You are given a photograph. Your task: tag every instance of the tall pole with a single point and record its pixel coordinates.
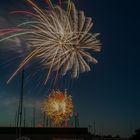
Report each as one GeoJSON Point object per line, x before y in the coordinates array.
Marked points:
{"type": "Point", "coordinates": [76, 119]}
{"type": "Point", "coordinates": [20, 106]}
{"type": "Point", "coordinates": [21, 99]}
{"type": "Point", "coordinates": [16, 119]}
{"type": "Point", "coordinates": [24, 117]}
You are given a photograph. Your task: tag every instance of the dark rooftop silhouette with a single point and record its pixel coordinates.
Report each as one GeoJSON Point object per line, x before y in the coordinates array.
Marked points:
{"type": "Point", "coordinates": [11, 133]}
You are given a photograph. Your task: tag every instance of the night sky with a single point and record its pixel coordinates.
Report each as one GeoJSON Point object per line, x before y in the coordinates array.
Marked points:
{"type": "Point", "coordinates": [109, 94]}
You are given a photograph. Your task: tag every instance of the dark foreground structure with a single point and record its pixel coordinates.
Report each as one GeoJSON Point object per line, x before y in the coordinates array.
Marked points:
{"type": "Point", "coordinates": [9, 133]}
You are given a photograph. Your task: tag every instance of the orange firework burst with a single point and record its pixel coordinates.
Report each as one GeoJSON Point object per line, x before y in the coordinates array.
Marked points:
{"type": "Point", "coordinates": [58, 106]}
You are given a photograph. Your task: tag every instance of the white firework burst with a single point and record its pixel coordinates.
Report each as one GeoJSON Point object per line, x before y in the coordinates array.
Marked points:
{"type": "Point", "coordinates": [62, 39]}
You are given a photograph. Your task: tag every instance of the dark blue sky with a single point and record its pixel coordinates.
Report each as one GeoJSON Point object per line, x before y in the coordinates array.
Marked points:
{"type": "Point", "coordinates": [110, 93]}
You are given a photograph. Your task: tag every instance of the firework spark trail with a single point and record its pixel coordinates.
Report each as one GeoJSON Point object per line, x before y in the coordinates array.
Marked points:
{"type": "Point", "coordinates": [28, 22]}
{"type": "Point", "coordinates": [14, 35]}
{"type": "Point", "coordinates": [69, 6]}
{"type": "Point", "coordinates": [51, 66]}
{"type": "Point", "coordinates": [2, 33]}
{"type": "Point", "coordinates": [60, 38]}
{"type": "Point", "coordinates": [25, 61]}
{"type": "Point", "coordinates": [24, 12]}
{"type": "Point", "coordinates": [50, 3]}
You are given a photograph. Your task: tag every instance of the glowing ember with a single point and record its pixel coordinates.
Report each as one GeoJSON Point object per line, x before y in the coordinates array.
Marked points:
{"type": "Point", "coordinates": [58, 106]}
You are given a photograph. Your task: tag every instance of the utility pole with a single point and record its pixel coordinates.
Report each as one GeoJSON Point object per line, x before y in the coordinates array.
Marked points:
{"type": "Point", "coordinates": [16, 119]}
{"type": "Point", "coordinates": [24, 121]}
{"type": "Point", "coordinates": [76, 119]}
{"type": "Point", "coordinates": [20, 106]}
